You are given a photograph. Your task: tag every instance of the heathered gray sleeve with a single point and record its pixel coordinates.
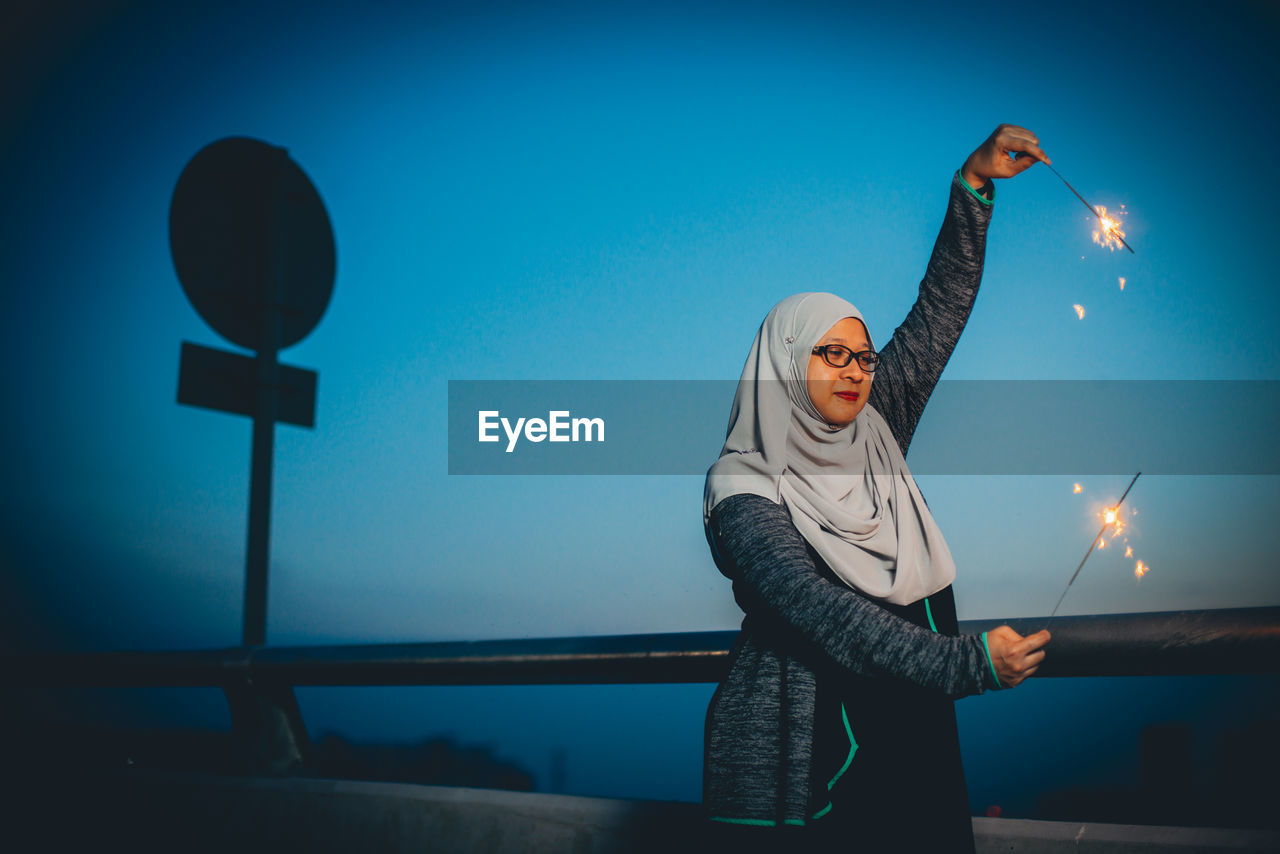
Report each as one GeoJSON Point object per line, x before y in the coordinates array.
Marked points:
{"type": "Point", "coordinates": [775, 576]}
{"type": "Point", "coordinates": [912, 361]}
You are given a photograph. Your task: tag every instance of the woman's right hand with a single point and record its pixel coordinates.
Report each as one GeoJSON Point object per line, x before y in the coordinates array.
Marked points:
{"type": "Point", "coordinates": [1013, 656]}
{"type": "Point", "coordinates": [1007, 152]}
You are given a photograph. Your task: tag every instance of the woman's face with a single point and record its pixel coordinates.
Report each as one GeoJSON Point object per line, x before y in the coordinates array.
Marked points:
{"type": "Point", "coordinates": [840, 393]}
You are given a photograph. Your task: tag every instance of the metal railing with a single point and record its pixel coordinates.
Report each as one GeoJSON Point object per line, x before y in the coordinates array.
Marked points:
{"type": "Point", "coordinates": [259, 681]}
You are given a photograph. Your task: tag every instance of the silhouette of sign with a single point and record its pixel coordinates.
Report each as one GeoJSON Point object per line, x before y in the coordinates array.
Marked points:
{"type": "Point", "coordinates": [253, 249]}
{"type": "Point", "coordinates": [216, 379]}
{"type": "Point", "coordinates": [245, 221]}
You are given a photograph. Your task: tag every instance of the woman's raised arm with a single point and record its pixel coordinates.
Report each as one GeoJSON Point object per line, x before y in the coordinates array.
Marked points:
{"type": "Point", "coordinates": [913, 359]}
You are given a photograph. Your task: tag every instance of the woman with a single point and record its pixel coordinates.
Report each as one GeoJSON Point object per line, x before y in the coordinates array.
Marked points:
{"type": "Point", "coordinates": [835, 721]}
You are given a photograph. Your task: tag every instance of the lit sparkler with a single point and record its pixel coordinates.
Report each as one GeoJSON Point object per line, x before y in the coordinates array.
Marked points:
{"type": "Point", "coordinates": [1109, 233]}
{"type": "Point", "coordinates": [1112, 231]}
{"type": "Point", "coordinates": [1109, 518]}
{"type": "Point", "coordinates": [1113, 516]}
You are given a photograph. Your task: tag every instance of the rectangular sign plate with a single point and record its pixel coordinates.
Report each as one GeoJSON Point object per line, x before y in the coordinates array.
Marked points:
{"type": "Point", "coordinates": [227, 382]}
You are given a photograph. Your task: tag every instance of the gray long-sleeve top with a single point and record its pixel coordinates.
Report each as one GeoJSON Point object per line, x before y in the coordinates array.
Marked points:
{"type": "Point", "coordinates": [759, 735]}
{"type": "Point", "coordinates": [777, 581]}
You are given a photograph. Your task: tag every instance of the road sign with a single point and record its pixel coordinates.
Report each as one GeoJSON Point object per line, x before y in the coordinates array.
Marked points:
{"type": "Point", "coordinates": [253, 249]}
{"type": "Point", "coordinates": [245, 219]}
{"type": "Point", "coordinates": [216, 379]}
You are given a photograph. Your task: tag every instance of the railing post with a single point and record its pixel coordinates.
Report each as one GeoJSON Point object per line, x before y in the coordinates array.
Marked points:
{"type": "Point", "coordinates": [267, 723]}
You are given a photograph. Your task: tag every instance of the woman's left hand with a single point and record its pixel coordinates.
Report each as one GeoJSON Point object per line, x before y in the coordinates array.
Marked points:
{"type": "Point", "coordinates": [1008, 151]}
{"type": "Point", "coordinates": [1014, 657]}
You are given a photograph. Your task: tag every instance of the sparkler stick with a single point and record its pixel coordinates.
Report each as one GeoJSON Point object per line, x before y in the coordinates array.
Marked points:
{"type": "Point", "coordinates": [1105, 525]}
{"type": "Point", "coordinates": [1092, 209]}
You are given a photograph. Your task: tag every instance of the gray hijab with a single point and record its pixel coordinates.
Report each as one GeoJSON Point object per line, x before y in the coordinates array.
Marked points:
{"type": "Point", "coordinates": [847, 489]}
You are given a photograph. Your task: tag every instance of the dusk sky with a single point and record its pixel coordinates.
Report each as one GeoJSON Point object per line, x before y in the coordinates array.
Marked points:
{"type": "Point", "coordinates": [610, 192]}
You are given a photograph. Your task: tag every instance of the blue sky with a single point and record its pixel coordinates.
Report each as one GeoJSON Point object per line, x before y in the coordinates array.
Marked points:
{"type": "Point", "coordinates": [566, 191]}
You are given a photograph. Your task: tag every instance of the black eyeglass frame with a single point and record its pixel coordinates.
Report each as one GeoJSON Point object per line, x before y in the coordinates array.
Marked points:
{"type": "Point", "coordinates": [867, 359]}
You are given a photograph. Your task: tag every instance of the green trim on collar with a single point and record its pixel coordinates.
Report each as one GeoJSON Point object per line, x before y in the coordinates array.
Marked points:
{"type": "Point", "coordinates": [975, 193]}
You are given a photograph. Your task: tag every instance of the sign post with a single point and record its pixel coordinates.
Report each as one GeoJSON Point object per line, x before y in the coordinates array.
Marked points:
{"type": "Point", "coordinates": [254, 251]}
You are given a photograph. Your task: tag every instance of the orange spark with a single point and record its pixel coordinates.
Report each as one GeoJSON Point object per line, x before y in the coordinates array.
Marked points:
{"type": "Point", "coordinates": [1077, 488]}
{"type": "Point", "coordinates": [1122, 283]}
{"type": "Point", "coordinates": [1108, 233]}
{"type": "Point", "coordinates": [1079, 310]}
{"type": "Point", "coordinates": [1140, 570]}
{"type": "Point", "coordinates": [1128, 551]}
{"type": "Point", "coordinates": [1102, 544]}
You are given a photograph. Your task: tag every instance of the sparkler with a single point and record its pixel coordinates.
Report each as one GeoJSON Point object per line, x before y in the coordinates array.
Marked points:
{"type": "Point", "coordinates": [1109, 518]}
{"type": "Point", "coordinates": [1109, 225]}
{"type": "Point", "coordinates": [1109, 234]}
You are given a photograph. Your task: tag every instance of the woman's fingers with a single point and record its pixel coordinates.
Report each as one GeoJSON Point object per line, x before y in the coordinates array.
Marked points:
{"type": "Point", "coordinates": [1037, 153]}
{"type": "Point", "coordinates": [1016, 657]}
{"type": "Point", "coordinates": [1014, 137]}
{"type": "Point", "coordinates": [1031, 642]}
{"type": "Point", "coordinates": [1009, 151]}
{"type": "Point", "coordinates": [1015, 129]}
{"type": "Point", "coordinates": [1024, 155]}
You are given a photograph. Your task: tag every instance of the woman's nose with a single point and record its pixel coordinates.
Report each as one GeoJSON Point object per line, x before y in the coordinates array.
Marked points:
{"type": "Point", "coordinates": [853, 372]}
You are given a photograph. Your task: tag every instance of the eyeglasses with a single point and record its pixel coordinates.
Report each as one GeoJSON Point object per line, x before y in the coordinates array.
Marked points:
{"type": "Point", "coordinates": [839, 356]}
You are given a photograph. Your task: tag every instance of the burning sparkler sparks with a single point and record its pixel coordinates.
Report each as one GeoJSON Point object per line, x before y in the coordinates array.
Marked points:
{"type": "Point", "coordinates": [1140, 570]}
{"type": "Point", "coordinates": [1079, 310]}
{"type": "Point", "coordinates": [1122, 283]}
{"type": "Point", "coordinates": [1112, 231]}
{"type": "Point", "coordinates": [1112, 518]}
{"type": "Point", "coordinates": [1077, 488]}
{"type": "Point", "coordinates": [1109, 516]}
{"type": "Point", "coordinates": [1108, 233]}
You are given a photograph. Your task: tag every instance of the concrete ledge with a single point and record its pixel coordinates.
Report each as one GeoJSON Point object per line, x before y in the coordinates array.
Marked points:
{"type": "Point", "coordinates": [152, 811]}
{"type": "Point", "coordinates": [1050, 837]}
